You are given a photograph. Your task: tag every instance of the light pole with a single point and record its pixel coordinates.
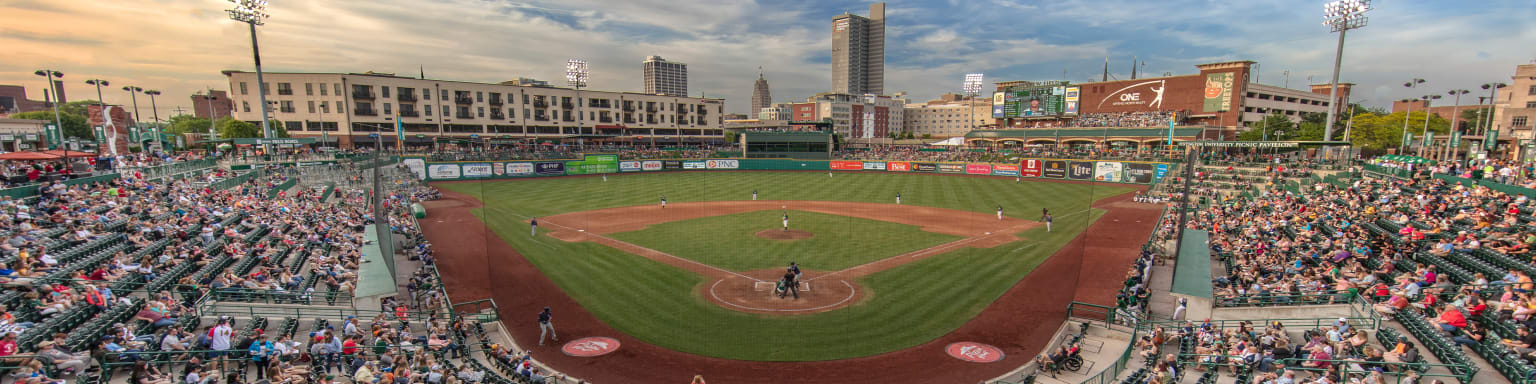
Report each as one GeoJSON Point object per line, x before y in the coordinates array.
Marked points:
{"type": "Point", "coordinates": [1341, 16]}
{"type": "Point", "coordinates": [972, 87]}
{"type": "Point", "coordinates": [212, 116]}
{"type": "Point", "coordinates": [1425, 134]}
{"type": "Point", "coordinates": [154, 110]}
{"type": "Point", "coordinates": [1455, 115]}
{"type": "Point", "coordinates": [1408, 113]}
{"type": "Point", "coordinates": [254, 13]}
{"type": "Point", "coordinates": [101, 103]}
{"type": "Point", "coordinates": [1493, 91]}
{"type": "Point", "coordinates": [576, 75]}
{"type": "Point", "coordinates": [58, 123]}
{"type": "Point", "coordinates": [133, 92]}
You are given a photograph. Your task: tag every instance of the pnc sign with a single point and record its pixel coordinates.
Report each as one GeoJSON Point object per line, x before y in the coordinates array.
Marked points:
{"type": "Point", "coordinates": [590, 346]}
{"type": "Point", "coordinates": [974, 352]}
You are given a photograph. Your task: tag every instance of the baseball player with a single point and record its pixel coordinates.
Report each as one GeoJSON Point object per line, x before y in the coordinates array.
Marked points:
{"type": "Point", "coordinates": [789, 285]}
{"type": "Point", "coordinates": [663, 201]}
{"type": "Point", "coordinates": [535, 225]}
{"type": "Point", "coordinates": [546, 327]}
{"type": "Point", "coordinates": [754, 195]}
{"type": "Point", "coordinates": [605, 178]}
{"type": "Point", "coordinates": [999, 212]}
{"type": "Point", "coordinates": [1047, 220]}
{"type": "Point", "coordinates": [795, 269]}
{"type": "Point", "coordinates": [786, 222]}
{"type": "Point", "coordinates": [829, 173]}
{"type": "Point", "coordinates": [898, 198]}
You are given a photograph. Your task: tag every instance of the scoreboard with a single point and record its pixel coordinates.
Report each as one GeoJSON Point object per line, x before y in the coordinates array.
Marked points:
{"type": "Point", "coordinates": [1044, 101]}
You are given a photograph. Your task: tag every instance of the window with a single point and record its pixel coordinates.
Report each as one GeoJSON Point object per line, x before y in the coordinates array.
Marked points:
{"type": "Point", "coordinates": [427, 109]}
{"type": "Point", "coordinates": [426, 94]}
{"type": "Point", "coordinates": [446, 111]}
{"type": "Point", "coordinates": [324, 107]}
{"type": "Point", "coordinates": [511, 113]}
{"type": "Point", "coordinates": [480, 111]}
{"type": "Point", "coordinates": [293, 125]}
{"type": "Point", "coordinates": [266, 89]}
{"type": "Point", "coordinates": [479, 97]}
{"type": "Point", "coordinates": [1519, 121]}
{"type": "Point", "coordinates": [1532, 92]}
{"type": "Point", "coordinates": [338, 89]}
{"type": "Point", "coordinates": [311, 106]}
{"type": "Point", "coordinates": [388, 110]}
{"type": "Point", "coordinates": [243, 90]}
{"type": "Point", "coordinates": [246, 105]}
{"type": "Point", "coordinates": [309, 90]}
{"type": "Point", "coordinates": [385, 92]}
{"type": "Point", "coordinates": [322, 89]}
{"type": "Point", "coordinates": [445, 96]}
{"type": "Point", "coordinates": [1530, 104]}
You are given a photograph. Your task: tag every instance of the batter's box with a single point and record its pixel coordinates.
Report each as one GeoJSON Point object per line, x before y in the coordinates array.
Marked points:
{"type": "Point", "coordinates": [770, 285]}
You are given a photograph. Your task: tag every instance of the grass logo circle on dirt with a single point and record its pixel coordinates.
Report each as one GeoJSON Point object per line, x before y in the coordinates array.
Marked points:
{"type": "Point", "coordinates": [974, 352]}
{"type": "Point", "coordinates": [590, 346]}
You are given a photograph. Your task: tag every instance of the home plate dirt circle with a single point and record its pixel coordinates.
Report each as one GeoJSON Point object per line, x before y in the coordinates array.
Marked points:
{"type": "Point", "coordinates": [590, 346]}
{"type": "Point", "coordinates": [780, 234]}
{"type": "Point", "coordinates": [974, 352]}
{"type": "Point", "coordinates": [755, 292]}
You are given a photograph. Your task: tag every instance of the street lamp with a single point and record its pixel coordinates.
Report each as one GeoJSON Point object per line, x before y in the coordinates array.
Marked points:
{"type": "Point", "coordinates": [1493, 90]}
{"type": "Point", "coordinates": [576, 76]}
{"type": "Point", "coordinates": [254, 13]}
{"type": "Point", "coordinates": [1341, 16]}
{"type": "Point", "coordinates": [972, 87]}
{"type": "Point", "coordinates": [1425, 134]}
{"type": "Point", "coordinates": [1406, 114]}
{"type": "Point", "coordinates": [134, 93]}
{"type": "Point", "coordinates": [57, 122]}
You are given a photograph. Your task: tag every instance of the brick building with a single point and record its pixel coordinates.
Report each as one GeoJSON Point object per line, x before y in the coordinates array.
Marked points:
{"type": "Point", "coordinates": [221, 106]}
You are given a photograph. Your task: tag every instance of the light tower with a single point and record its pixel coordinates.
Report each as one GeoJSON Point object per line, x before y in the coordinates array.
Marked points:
{"type": "Point", "coordinates": [1341, 16]}
{"type": "Point", "coordinates": [254, 13]}
{"type": "Point", "coordinates": [576, 76]}
{"type": "Point", "coordinates": [972, 87]}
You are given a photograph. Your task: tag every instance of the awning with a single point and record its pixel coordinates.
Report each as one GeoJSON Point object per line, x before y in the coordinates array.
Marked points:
{"type": "Point", "coordinates": [28, 156]}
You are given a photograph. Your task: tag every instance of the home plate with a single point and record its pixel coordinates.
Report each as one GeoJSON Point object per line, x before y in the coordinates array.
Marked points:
{"type": "Point", "coordinates": [581, 230]}
{"type": "Point", "coordinates": [989, 233]}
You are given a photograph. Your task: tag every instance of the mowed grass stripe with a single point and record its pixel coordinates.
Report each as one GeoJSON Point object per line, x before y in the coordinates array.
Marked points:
{"type": "Point", "coordinates": [730, 241]}
{"type": "Point", "coordinates": [908, 305]}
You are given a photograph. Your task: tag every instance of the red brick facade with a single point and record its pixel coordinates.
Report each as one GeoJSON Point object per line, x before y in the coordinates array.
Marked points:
{"type": "Point", "coordinates": [121, 119]}
{"type": "Point", "coordinates": [222, 106]}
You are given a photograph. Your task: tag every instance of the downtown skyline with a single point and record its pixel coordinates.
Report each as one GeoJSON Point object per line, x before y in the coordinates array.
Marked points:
{"type": "Point", "coordinates": [930, 45]}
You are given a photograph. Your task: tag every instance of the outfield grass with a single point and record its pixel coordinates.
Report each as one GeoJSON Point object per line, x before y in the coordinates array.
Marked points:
{"type": "Point", "coordinates": [730, 241]}
{"type": "Point", "coordinates": [906, 305]}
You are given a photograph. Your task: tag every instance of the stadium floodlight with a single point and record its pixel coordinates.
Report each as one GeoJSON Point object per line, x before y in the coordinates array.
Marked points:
{"type": "Point", "coordinates": [972, 87]}
{"type": "Point", "coordinates": [1427, 99]}
{"type": "Point", "coordinates": [254, 13]}
{"type": "Point", "coordinates": [1493, 91]}
{"type": "Point", "coordinates": [1413, 84]}
{"type": "Point", "coordinates": [133, 92]}
{"type": "Point", "coordinates": [576, 73]}
{"type": "Point", "coordinates": [1341, 16]}
{"type": "Point", "coordinates": [51, 74]}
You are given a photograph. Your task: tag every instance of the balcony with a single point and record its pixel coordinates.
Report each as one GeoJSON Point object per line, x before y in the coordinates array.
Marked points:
{"type": "Point", "coordinates": [540, 104]}
{"type": "Point", "coordinates": [463, 100]}
{"type": "Point", "coordinates": [540, 118]}
{"type": "Point", "coordinates": [498, 116]}
{"type": "Point", "coordinates": [462, 115]}
{"type": "Point", "coordinates": [362, 94]}
{"type": "Point", "coordinates": [365, 112]}
{"type": "Point", "coordinates": [285, 91]}
{"type": "Point", "coordinates": [407, 97]}
{"type": "Point", "coordinates": [629, 121]}
{"type": "Point", "coordinates": [568, 118]}
{"type": "Point", "coordinates": [650, 121]}
{"type": "Point", "coordinates": [567, 106]}
{"type": "Point", "coordinates": [629, 108]}
{"type": "Point", "coordinates": [495, 101]}
{"type": "Point", "coordinates": [650, 109]}
{"type": "Point", "coordinates": [605, 119]}
{"type": "Point", "coordinates": [409, 113]}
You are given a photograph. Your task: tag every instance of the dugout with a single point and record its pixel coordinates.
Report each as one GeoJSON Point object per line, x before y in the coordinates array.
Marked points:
{"type": "Point", "coordinates": [787, 145]}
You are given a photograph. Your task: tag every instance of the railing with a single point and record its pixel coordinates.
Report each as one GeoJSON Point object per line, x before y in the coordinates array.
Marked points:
{"type": "Point", "coordinates": [235, 181]}
{"type": "Point", "coordinates": [1089, 313]}
{"type": "Point", "coordinates": [272, 193]}
{"type": "Point", "coordinates": [1397, 370]}
{"type": "Point", "coordinates": [210, 308]}
{"type": "Point", "coordinates": [1393, 172]}
{"type": "Point", "coordinates": [32, 190]}
{"type": "Point", "coordinates": [177, 170]}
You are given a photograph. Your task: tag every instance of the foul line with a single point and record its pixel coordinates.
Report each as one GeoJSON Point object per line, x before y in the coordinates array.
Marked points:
{"type": "Point", "coordinates": [685, 261]}
{"type": "Point", "coordinates": [906, 255]}
{"type": "Point", "coordinates": [851, 293]}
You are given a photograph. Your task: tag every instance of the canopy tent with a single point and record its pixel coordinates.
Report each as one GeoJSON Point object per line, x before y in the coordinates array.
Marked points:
{"type": "Point", "coordinates": [29, 156]}
{"type": "Point", "coordinates": [950, 141]}
{"type": "Point", "coordinates": [69, 153]}
{"type": "Point", "coordinates": [1404, 159]}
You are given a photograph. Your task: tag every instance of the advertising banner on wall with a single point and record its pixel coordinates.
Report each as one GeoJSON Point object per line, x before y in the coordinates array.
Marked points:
{"type": "Point", "coordinates": [1054, 169]}
{"type": "Point", "coordinates": [671, 164]}
{"type": "Point", "coordinates": [476, 170]}
{"type": "Point", "coordinates": [549, 168]}
{"type": "Point", "coordinates": [978, 169]}
{"type": "Point", "coordinates": [593, 164]}
{"type": "Point", "coordinates": [443, 171]}
{"type": "Point", "coordinates": [417, 167]}
{"type": "Point", "coordinates": [1005, 170]}
{"type": "Point", "coordinates": [650, 165]}
{"type": "Point", "coordinates": [520, 169]}
{"type": "Point", "coordinates": [874, 166]}
{"type": "Point", "coordinates": [951, 168]}
{"type": "Point", "coordinates": [1080, 170]}
{"type": "Point", "coordinates": [1140, 173]}
{"type": "Point", "coordinates": [694, 165]}
{"type": "Point", "coordinates": [1030, 167]}
{"type": "Point", "coordinates": [847, 165]}
{"type": "Point", "coordinates": [898, 166]}
{"type": "Point", "coordinates": [1071, 101]}
{"type": "Point", "coordinates": [925, 167]}
{"type": "Point", "coordinates": [1162, 171]}
{"type": "Point", "coordinates": [1218, 91]}
{"type": "Point", "coordinates": [722, 164]}
{"type": "Point", "coordinates": [998, 100]}
{"type": "Point", "coordinates": [1109, 171]}
{"type": "Point", "coordinates": [629, 166]}
{"type": "Point", "coordinates": [499, 169]}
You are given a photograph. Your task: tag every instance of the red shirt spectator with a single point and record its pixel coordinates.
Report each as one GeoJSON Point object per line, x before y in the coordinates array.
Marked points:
{"type": "Point", "coordinates": [1454, 318]}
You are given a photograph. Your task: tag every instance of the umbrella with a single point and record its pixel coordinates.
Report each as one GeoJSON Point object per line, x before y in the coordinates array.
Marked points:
{"type": "Point", "coordinates": [28, 156]}
{"type": "Point", "coordinates": [69, 153]}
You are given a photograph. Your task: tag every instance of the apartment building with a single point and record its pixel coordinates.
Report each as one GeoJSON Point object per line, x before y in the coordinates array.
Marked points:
{"type": "Point", "coordinates": [349, 107]}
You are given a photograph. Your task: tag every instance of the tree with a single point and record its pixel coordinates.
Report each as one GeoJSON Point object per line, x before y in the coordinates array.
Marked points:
{"type": "Point", "coordinates": [74, 126]}
{"type": "Point", "coordinates": [77, 107]}
{"type": "Point", "coordinates": [184, 124]}
{"type": "Point", "coordinates": [229, 128]}
{"type": "Point", "coordinates": [1375, 131]}
{"type": "Point", "coordinates": [1470, 119]}
{"type": "Point", "coordinates": [1272, 126]}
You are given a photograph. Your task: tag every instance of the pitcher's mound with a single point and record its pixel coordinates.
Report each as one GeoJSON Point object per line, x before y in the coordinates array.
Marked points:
{"type": "Point", "coordinates": [780, 234]}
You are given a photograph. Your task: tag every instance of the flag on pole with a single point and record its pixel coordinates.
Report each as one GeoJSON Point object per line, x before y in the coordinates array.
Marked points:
{"type": "Point", "coordinates": [399, 133]}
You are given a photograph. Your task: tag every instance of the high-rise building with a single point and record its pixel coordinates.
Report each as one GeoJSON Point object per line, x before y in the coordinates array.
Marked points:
{"type": "Point", "coordinates": [858, 52]}
{"type": "Point", "coordinates": [664, 77]}
{"type": "Point", "coordinates": [760, 96]}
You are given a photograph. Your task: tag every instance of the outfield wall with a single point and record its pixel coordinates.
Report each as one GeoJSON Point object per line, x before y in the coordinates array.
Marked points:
{"type": "Point", "coordinates": [1130, 172]}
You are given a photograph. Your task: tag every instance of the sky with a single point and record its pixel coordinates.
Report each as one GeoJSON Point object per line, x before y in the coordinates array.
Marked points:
{"type": "Point", "coordinates": [180, 46]}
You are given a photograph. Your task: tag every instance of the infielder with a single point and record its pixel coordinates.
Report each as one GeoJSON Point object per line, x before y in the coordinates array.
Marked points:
{"type": "Point", "coordinates": [663, 201]}
{"type": "Point", "coordinates": [898, 198]}
{"type": "Point", "coordinates": [754, 195]}
{"type": "Point", "coordinates": [535, 227]}
{"type": "Point", "coordinates": [786, 222]}
{"type": "Point", "coordinates": [1047, 220]}
{"type": "Point", "coordinates": [999, 212]}
{"type": "Point", "coordinates": [605, 178]}
{"type": "Point", "coordinates": [546, 327]}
